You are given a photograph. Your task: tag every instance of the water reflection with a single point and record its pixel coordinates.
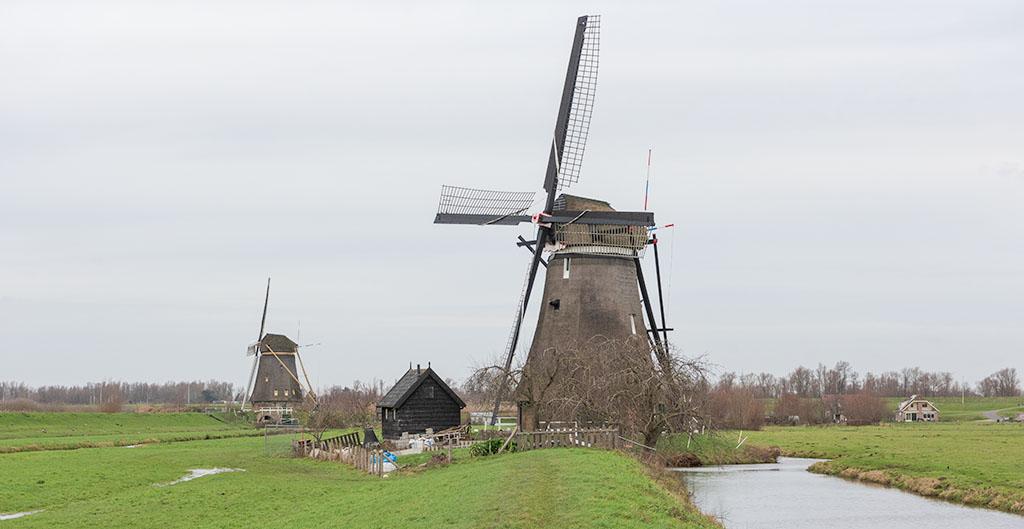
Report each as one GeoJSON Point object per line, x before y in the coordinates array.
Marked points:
{"type": "Point", "coordinates": [786, 496]}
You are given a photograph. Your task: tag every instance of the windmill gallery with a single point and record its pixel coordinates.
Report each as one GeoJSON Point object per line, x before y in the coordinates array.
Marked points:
{"type": "Point", "coordinates": [596, 324]}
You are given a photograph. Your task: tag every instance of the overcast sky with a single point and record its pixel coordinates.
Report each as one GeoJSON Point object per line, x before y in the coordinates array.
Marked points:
{"type": "Point", "coordinates": [846, 179]}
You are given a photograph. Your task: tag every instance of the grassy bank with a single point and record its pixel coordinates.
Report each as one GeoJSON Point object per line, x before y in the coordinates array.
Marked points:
{"type": "Point", "coordinates": [711, 449]}
{"type": "Point", "coordinates": [32, 431]}
{"type": "Point", "coordinates": [114, 487]}
{"type": "Point", "coordinates": [979, 464]}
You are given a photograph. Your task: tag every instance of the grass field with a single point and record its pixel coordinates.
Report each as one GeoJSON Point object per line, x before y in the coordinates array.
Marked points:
{"type": "Point", "coordinates": [970, 462]}
{"type": "Point", "coordinates": [56, 431]}
{"type": "Point", "coordinates": [116, 487]}
{"type": "Point", "coordinates": [951, 409]}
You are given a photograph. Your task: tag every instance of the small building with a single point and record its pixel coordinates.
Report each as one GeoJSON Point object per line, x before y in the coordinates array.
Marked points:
{"type": "Point", "coordinates": [917, 409]}
{"type": "Point", "coordinates": [418, 401]}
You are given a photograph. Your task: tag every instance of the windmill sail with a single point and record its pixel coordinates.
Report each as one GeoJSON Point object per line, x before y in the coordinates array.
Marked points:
{"type": "Point", "coordinates": [484, 207]}
{"type": "Point", "coordinates": [581, 107]}
{"type": "Point", "coordinates": [575, 109]}
{"type": "Point", "coordinates": [464, 205]}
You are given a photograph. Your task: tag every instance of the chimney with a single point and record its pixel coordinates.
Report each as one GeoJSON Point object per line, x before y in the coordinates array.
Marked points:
{"type": "Point", "coordinates": [417, 369]}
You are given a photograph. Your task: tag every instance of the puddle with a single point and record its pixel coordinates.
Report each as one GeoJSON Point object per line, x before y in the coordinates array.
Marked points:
{"type": "Point", "coordinates": [195, 473]}
{"type": "Point", "coordinates": [18, 515]}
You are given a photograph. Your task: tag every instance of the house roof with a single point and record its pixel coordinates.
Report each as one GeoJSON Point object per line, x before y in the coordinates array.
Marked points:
{"type": "Point", "coordinates": [913, 399]}
{"type": "Point", "coordinates": [277, 343]}
{"type": "Point", "coordinates": [409, 383]}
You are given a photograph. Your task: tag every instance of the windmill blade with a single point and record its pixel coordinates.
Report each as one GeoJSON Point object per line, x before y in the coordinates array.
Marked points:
{"type": "Point", "coordinates": [252, 376]}
{"type": "Point", "coordinates": [309, 385]}
{"type": "Point", "coordinates": [263, 321]}
{"type": "Point", "coordinates": [573, 123]}
{"type": "Point", "coordinates": [464, 205]}
{"type": "Point", "coordinates": [517, 325]}
{"type": "Point", "coordinates": [584, 89]}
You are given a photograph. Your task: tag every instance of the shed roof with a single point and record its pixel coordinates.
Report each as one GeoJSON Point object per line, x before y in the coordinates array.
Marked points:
{"type": "Point", "coordinates": [409, 383]}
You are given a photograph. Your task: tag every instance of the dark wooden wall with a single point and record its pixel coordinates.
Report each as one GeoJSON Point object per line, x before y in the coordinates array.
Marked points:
{"type": "Point", "coordinates": [421, 411]}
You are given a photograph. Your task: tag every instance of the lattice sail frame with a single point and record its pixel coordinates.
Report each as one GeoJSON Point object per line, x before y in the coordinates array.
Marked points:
{"type": "Point", "coordinates": [582, 107]}
{"type": "Point", "coordinates": [469, 201]}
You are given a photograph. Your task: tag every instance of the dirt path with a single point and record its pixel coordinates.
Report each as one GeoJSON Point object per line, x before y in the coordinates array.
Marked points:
{"type": "Point", "coordinates": [992, 415]}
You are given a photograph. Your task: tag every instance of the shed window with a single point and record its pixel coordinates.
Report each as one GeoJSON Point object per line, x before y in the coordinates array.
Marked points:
{"type": "Point", "coordinates": [430, 392]}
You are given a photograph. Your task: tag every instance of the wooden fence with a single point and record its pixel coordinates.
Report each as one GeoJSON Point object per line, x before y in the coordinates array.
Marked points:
{"type": "Point", "coordinates": [454, 443]}
{"type": "Point", "coordinates": [305, 446]}
{"type": "Point", "coordinates": [369, 460]}
{"type": "Point", "coordinates": [607, 438]}
{"type": "Point", "coordinates": [345, 448]}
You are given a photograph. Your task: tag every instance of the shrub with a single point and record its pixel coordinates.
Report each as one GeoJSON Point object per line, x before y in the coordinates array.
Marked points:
{"type": "Point", "coordinates": [864, 408]}
{"type": "Point", "coordinates": [492, 446]}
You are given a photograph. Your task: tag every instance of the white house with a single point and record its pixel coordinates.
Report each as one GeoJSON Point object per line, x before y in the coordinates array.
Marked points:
{"type": "Point", "coordinates": [917, 409]}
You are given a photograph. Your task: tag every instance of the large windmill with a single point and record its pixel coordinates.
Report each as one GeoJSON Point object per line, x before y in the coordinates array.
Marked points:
{"type": "Point", "coordinates": [594, 284]}
{"type": "Point", "coordinates": [274, 386]}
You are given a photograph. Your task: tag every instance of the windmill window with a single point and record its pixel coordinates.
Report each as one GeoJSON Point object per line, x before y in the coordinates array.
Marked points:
{"type": "Point", "coordinates": [275, 392]}
{"type": "Point", "coordinates": [266, 379]}
{"type": "Point", "coordinates": [286, 393]}
{"type": "Point", "coordinates": [565, 268]}
{"type": "Point", "coordinates": [632, 323]}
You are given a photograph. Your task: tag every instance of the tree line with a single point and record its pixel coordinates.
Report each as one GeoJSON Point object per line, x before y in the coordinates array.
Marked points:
{"type": "Point", "coordinates": [99, 393]}
{"type": "Point", "coordinates": [841, 379]}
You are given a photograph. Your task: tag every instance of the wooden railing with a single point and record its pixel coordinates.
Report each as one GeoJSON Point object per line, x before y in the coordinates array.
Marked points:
{"type": "Point", "coordinates": [607, 438]}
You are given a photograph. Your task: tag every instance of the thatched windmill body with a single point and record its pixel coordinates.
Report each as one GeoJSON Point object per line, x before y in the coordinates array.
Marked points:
{"type": "Point", "coordinates": [274, 387]}
{"type": "Point", "coordinates": [594, 287]}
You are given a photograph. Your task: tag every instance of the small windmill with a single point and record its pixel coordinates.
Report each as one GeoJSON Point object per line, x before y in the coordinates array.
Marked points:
{"type": "Point", "coordinates": [594, 282]}
{"type": "Point", "coordinates": [274, 386]}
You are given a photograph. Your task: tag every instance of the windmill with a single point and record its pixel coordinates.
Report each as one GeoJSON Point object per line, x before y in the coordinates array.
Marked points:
{"type": "Point", "coordinates": [594, 283]}
{"type": "Point", "coordinates": [274, 386]}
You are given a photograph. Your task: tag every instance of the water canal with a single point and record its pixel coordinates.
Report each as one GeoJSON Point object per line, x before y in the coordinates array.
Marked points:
{"type": "Point", "coordinates": [786, 496]}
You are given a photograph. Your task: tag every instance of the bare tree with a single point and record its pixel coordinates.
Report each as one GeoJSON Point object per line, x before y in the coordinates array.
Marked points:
{"type": "Point", "coordinates": [1002, 383]}
{"type": "Point", "coordinates": [608, 381]}
{"type": "Point", "coordinates": [863, 408]}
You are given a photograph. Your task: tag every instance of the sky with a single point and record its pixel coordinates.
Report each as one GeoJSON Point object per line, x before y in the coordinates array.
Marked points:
{"type": "Point", "coordinates": [845, 179]}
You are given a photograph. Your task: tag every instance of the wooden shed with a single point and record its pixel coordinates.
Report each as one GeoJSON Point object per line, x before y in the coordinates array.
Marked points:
{"type": "Point", "coordinates": [418, 401]}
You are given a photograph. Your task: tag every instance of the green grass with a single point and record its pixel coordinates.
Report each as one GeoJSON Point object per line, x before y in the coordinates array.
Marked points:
{"type": "Point", "coordinates": [951, 409]}
{"type": "Point", "coordinates": [971, 462]}
{"type": "Point", "coordinates": [56, 431]}
{"type": "Point", "coordinates": [113, 487]}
